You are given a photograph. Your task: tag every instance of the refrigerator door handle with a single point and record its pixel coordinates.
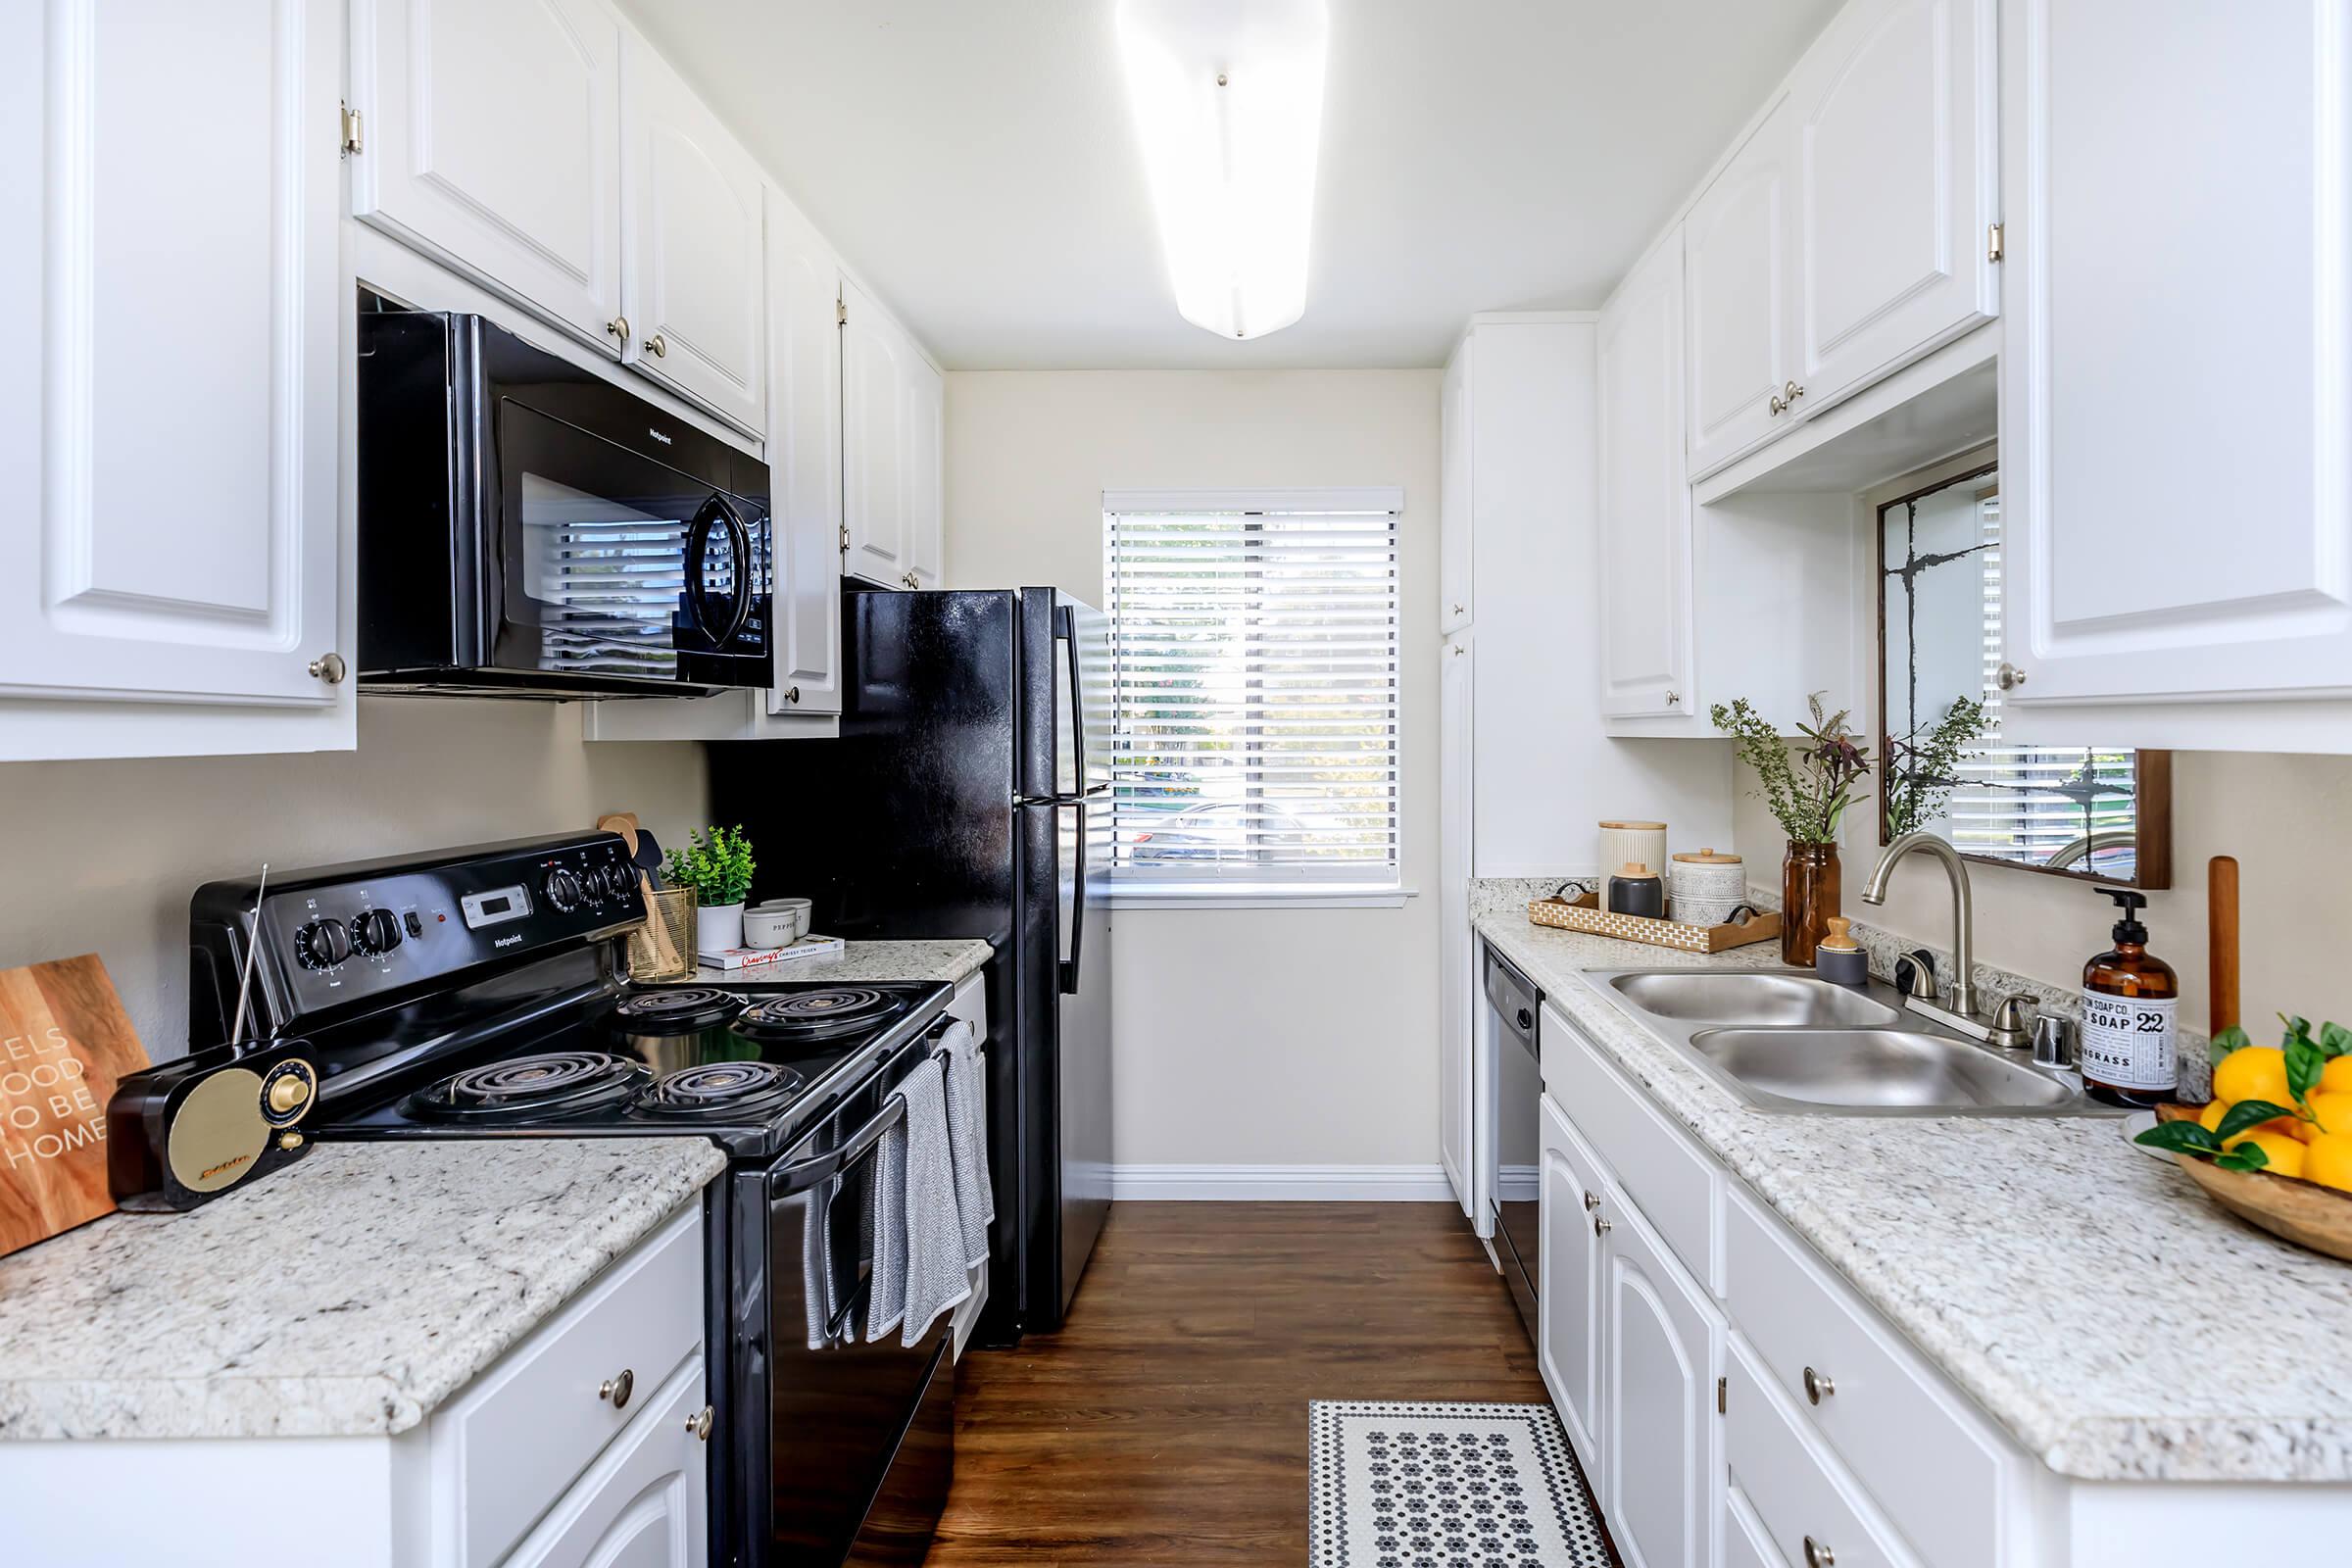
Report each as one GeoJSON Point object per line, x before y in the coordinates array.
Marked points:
{"type": "Point", "coordinates": [1069, 965]}
{"type": "Point", "coordinates": [1065, 628]}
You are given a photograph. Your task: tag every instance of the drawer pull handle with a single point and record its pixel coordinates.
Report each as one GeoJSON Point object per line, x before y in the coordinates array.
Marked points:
{"type": "Point", "coordinates": [1817, 1387]}
{"type": "Point", "coordinates": [699, 1424]}
{"type": "Point", "coordinates": [1601, 1225]}
{"type": "Point", "coordinates": [618, 1390]}
{"type": "Point", "coordinates": [1818, 1554]}
{"type": "Point", "coordinates": [1591, 1201]}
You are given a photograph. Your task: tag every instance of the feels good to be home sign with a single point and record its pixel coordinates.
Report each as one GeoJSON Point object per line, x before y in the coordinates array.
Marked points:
{"type": "Point", "coordinates": [64, 1041]}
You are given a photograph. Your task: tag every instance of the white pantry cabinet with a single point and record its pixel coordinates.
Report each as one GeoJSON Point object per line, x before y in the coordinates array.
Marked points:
{"type": "Point", "coordinates": [1737, 299]}
{"type": "Point", "coordinates": [1456, 584]}
{"type": "Point", "coordinates": [891, 403]}
{"type": "Point", "coordinates": [1460, 999]}
{"type": "Point", "coordinates": [491, 142]}
{"type": "Point", "coordinates": [691, 275]}
{"type": "Point", "coordinates": [2177, 497]}
{"type": "Point", "coordinates": [1645, 586]}
{"type": "Point", "coordinates": [170, 576]}
{"type": "Point", "coordinates": [803, 460]}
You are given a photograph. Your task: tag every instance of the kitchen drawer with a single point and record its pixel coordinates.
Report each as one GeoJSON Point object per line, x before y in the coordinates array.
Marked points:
{"type": "Point", "coordinates": [1925, 1456]}
{"type": "Point", "coordinates": [1678, 1188]}
{"type": "Point", "coordinates": [1747, 1543]}
{"type": "Point", "coordinates": [507, 1448]}
{"type": "Point", "coordinates": [1793, 1485]}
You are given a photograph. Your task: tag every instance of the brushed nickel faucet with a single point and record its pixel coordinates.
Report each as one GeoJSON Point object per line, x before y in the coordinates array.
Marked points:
{"type": "Point", "coordinates": [1961, 1014]}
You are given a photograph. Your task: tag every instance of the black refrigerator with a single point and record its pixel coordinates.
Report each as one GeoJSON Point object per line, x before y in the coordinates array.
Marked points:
{"type": "Point", "coordinates": [969, 795]}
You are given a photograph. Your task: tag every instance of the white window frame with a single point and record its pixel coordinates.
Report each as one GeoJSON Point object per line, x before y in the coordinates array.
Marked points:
{"type": "Point", "coordinates": [1131, 891]}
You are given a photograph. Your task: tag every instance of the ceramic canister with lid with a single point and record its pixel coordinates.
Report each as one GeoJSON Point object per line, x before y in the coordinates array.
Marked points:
{"type": "Point", "coordinates": [1705, 887]}
{"type": "Point", "coordinates": [1630, 843]}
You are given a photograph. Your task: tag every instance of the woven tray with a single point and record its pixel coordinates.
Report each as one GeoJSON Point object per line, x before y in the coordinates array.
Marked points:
{"type": "Point", "coordinates": [1586, 914]}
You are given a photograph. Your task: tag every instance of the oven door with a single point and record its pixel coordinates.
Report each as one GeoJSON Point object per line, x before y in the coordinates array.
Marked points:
{"type": "Point", "coordinates": [858, 1449]}
{"type": "Point", "coordinates": [1517, 1006]}
{"type": "Point", "coordinates": [616, 568]}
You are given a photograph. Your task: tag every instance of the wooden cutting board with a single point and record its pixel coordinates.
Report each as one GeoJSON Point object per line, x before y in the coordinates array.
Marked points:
{"type": "Point", "coordinates": [65, 1042]}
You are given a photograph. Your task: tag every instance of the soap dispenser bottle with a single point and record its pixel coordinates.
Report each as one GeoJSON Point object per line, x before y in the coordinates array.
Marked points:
{"type": "Point", "coordinates": [2129, 1047]}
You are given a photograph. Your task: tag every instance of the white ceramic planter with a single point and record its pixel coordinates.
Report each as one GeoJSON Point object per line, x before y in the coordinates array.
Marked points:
{"type": "Point", "coordinates": [718, 927]}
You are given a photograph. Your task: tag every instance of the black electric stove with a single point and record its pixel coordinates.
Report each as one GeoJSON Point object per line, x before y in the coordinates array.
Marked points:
{"type": "Point", "coordinates": [477, 994]}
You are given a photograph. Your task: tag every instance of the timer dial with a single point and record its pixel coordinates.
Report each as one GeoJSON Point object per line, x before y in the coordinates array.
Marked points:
{"type": "Point", "coordinates": [322, 943]}
{"type": "Point", "coordinates": [563, 890]}
{"type": "Point", "coordinates": [375, 931]}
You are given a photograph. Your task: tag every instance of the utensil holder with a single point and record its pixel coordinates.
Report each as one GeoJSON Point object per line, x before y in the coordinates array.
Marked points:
{"type": "Point", "coordinates": [662, 949]}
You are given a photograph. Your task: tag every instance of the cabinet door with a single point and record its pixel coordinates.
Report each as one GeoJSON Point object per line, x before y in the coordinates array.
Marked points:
{"type": "Point", "coordinates": [2178, 501]}
{"type": "Point", "coordinates": [803, 460]}
{"type": "Point", "coordinates": [169, 192]}
{"type": "Point", "coordinates": [1660, 1440]}
{"type": "Point", "coordinates": [1454, 529]}
{"type": "Point", "coordinates": [645, 1501]}
{"type": "Point", "coordinates": [492, 145]}
{"type": "Point", "coordinates": [1894, 189]}
{"type": "Point", "coordinates": [926, 393]}
{"type": "Point", "coordinates": [691, 275]}
{"type": "Point", "coordinates": [1569, 1347]}
{"type": "Point", "coordinates": [874, 375]}
{"type": "Point", "coordinates": [1736, 245]}
{"type": "Point", "coordinates": [1457, 985]}
{"type": "Point", "coordinates": [1646, 609]}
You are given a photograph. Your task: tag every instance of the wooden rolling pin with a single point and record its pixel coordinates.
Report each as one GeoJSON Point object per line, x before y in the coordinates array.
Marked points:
{"type": "Point", "coordinates": [2221, 935]}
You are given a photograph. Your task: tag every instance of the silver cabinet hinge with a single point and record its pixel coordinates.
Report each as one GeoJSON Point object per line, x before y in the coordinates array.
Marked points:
{"type": "Point", "coordinates": [1722, 1395]}
{"type": "Point", "coordinates": [841, 313]}
{"type": "Point", "coordinates": [845, 538]}
{"type": "Point", "coordinates": [354, 131]}
{"type": "Point", "coordinates": [1992, 243]}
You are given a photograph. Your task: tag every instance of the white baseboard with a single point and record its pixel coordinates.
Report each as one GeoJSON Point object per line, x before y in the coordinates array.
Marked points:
{"type": "Point", "coordinates": [1295, 1184]}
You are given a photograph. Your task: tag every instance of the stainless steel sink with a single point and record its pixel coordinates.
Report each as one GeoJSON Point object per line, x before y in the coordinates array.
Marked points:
{"type": "Point", "coordinates": [1760, 999]}
{"type": "Point", "coordinates": [1785, 1040]}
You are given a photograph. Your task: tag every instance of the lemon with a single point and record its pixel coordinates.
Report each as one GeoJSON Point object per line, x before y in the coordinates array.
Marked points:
{"type": "Point", "coordinates": [2252, 1072]}
{"type": "Point", "coordinates": [2210, 1119]}
{"type": "Point", "coordinates": [2328, 1160]}
{"type": "Point", "coordinates": [2336, 1077]}
{"type": "Point", "coordinates": [2286, 1153]}
{"type": "Point", "coordinates": [2331, 1111]}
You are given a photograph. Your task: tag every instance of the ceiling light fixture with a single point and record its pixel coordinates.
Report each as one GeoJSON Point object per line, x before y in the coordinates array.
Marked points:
{"type": "Point", "coordinates": [1229, 102]}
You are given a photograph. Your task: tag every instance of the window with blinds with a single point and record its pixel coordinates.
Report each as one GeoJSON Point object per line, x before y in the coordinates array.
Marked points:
{"type": "Point", "coordinates": [1254, 653]}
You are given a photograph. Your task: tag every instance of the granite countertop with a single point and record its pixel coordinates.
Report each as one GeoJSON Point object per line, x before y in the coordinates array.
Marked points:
{"type": "Point", "coordinates": [348, 1294]}
{"type": "Point", "coordinates": [2089, 1298]}
{"type": "Point", "coordinates": [948, 960]}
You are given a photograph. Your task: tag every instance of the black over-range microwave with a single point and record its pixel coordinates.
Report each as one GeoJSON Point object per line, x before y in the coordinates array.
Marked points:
{"type": "Point", "coordinates": [528, 528]}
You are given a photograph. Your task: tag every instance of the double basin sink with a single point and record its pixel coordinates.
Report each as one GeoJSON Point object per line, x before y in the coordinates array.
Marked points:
{"type": "Point", "coordinates": [1788, 1041]}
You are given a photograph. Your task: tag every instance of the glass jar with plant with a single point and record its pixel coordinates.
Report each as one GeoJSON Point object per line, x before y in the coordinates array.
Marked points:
{"type": "Point", "coordinates": [1807, 782]}
{"type": "Point", "coordinates": [718, 868]}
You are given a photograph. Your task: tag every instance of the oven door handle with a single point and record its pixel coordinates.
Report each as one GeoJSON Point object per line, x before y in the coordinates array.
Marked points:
{"type": "Point", "coordinates": [801, 1175]}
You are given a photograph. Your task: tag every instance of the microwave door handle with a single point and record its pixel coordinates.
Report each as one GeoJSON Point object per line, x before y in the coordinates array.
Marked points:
{"type": "Point", "coordinates": [739, 546]}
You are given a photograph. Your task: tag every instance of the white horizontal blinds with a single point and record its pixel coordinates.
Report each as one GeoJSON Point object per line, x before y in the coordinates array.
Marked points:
{"type": "Point", "coordinates": [2029, 802]}
{"type": "Point", "coordinates": [1254, 653]}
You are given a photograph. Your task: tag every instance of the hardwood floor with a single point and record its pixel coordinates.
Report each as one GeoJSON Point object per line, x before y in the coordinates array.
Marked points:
{"type": "Point", "coordinates": [1166, 1424]}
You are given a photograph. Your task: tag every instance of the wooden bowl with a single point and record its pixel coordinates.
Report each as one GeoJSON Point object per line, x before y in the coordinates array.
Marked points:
{"type": "Point", "coordinates": [2287, 1206]}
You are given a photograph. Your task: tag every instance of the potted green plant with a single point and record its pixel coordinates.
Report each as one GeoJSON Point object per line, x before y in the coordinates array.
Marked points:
{"type": "Point", "coordinates": [1808, 785]}
{"type": "Point", "coordinates": [719, 870]}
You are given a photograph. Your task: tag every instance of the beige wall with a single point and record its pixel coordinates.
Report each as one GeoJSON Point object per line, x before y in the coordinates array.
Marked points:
{"type": "Point", "coordinates": [2287, 820]}
{"type": "Point", "coordinates": [1242, 1036]}
{"type": "Point", "coordinates": [101, 857]}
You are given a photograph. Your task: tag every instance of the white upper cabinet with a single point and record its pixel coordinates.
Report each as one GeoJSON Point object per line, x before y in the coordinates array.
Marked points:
{"type": "Point", "coordinates": [691, 270]}
{"type": "Point", "coordinates": [893, 407]}
{"type": "Point", "coordinates": [804, 461]}
{"type": "Point", "coordinates": [1645, 588]}
{"type": "Point", "coordinates": [1736, 249]}
{"type": "Point", "coordinates": [2176, 463]}
{"type": "Point", "coordinates": [169, 414]}
{"type": "Point", "coordinates": [1893, 198]}
{"type": "Point", "coordinates": [492, 143]}
{"type": "Point", "coordinates": [1455, 554]}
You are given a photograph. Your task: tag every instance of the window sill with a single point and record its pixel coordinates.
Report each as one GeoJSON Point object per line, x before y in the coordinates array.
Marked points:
{"type": "Point", "coordinates": [1164, 896]}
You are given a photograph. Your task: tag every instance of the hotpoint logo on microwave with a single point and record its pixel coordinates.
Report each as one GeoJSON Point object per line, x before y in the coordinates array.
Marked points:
{"type": "Point", "coordinates": [659, 436]}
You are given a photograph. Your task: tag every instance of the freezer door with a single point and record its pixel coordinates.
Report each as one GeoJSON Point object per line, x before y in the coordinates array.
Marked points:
{"type": "Point", "coordinates": [1066, 697]}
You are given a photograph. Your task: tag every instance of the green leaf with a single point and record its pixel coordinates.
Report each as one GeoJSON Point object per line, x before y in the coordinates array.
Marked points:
{"type": "Point", "coordinates": [2230, 1039]}
{"type": "Point", "coordinates": [2335, 1039]}
{"type": "Point", "coordinates": [2296, 1029]}
{"type": "Point", "coordinates": [2181, 1138]}
{"type": "Point", "coordinates": [2305, 1062]}
{"type": "Point", "coordinates": [2249, 1114]}
{"type": "Point", "coordinates": [2245, 1157]}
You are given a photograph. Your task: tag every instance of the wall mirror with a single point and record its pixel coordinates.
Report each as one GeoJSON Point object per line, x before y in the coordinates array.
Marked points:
{"type": "Point", "coordinates": [2100, 813]}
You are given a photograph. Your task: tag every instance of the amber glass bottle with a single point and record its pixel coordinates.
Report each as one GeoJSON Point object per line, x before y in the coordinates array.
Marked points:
{"type": "Point", "coordinates": [2131, 1050]}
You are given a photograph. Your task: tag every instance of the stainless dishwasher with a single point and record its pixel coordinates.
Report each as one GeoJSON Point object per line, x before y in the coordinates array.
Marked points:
{"type": "Point", "coordinates": [1515, 1005]}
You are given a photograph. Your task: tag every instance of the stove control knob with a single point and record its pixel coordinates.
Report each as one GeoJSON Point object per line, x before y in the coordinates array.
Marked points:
{"type": "Point", "coordinates": [375, 931]}
{"type": "Point", "coordinates": [619, 880]}
{"type": "Point", "coordinates": [563, 890]}
{"type": "Point", "coordinates": [322, 943]}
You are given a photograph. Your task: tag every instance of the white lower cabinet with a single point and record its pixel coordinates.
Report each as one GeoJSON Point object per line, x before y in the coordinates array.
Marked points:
{"type": "Point", "coordinates": [1746, 1543]}
{"type": "Point", "coordinates": [645, 1503]}
{"type": "Point", "coordinates": [1662, 1342]}
{"type": "Point", "coordinates": [1569, 1349]}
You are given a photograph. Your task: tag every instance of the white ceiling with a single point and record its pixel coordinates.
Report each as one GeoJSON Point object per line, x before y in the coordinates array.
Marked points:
{"type": "Point", "coordinates": [973, 160]}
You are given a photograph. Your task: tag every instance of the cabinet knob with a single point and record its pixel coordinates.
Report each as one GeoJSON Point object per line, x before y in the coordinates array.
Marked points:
{"type": "Point", "coordinates": [329, 667]}
{"type": "Point", "coordinates": [618, 1390]}
{"type": "Point", "coordinates": [1601, 1225]}
{"type": "Point", "coordinates": [1818, 1554]}
{"type": "Point", "coordinates": [1784, 400]}
{"type": "Point", "coordinates": [1457, 610]}
{"type": "Point", "coordinates": [2009, 677]}
{"type": "Point", "coordinates": [1817, 1387]}
{"type": "Point", "coordinates": [619, 326]}
{"type": "Point", "coordinates": [658, 346]}
{"type": "Point", "coordinates": [1674, 698]}
{"type": "Point", "coordinates": [1591, 1201]}
{"type": "Point", "coordinates": [792, 694]}
{"type": "Point", "coordinates": [699, 1424]}
{"type": "Point", "coordinates": [1459, 650]}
